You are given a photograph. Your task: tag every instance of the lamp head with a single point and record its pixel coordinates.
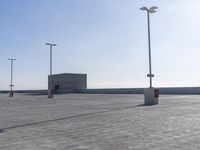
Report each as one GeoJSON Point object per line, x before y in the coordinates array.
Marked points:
{"type": "Point", "coordinates": [144, 8]}
{"type": "Point", "coordinates": [154, 7]}
{"type": "Point", "coordinates": [152, 11]}
{"type": "Point", "coordinates": [51, 44]}
{"type": "Point", "coordinates": [11, 59]}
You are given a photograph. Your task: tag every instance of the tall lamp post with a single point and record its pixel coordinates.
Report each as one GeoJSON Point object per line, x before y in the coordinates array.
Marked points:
{"type": "Point", "coordinates": [150, 10]}
{"type": "Point", "coordinates": [50, 88]}
{"type": "Point", "coordinates": [11, 77]}
{"type": "Point", "coordinates": [151, 94]}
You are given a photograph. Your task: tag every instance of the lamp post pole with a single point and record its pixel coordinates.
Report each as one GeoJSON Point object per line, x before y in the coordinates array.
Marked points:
{"type": "Point", "coordinates": [150, 10]}
{"type": "Point", "coordinates": [149, 41]}
{"type": "Point", "coordinates": [11, 77]}
{"type": "Point", "coordinates": [151, 94]}
{"type": "Point", "coordinates": [50, 88]}
{"type": "Point", "coordinates": [51, 57]}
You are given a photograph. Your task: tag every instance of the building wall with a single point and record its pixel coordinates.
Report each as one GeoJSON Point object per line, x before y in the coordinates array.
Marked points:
{"type": "Point", "coordinates": [67, 82]}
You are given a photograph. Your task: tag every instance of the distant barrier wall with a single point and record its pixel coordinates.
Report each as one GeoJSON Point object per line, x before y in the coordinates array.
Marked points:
{"type": "Point", "coordinates": [170, 90]}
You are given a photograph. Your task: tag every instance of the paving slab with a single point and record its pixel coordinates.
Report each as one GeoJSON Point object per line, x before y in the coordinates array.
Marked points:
{"type": "Point", "coordinates": [99, 122]}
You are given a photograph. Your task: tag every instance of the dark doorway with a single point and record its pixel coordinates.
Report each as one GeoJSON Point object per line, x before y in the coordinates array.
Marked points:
{"type": "Point", "coordinates": [56, 88]}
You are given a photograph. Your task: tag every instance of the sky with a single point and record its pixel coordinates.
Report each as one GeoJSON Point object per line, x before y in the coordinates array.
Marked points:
{"type": "Point", "coordinates": [106, 39]}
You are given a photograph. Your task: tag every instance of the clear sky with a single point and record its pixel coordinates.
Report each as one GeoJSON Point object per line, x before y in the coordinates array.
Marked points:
{"type": "Point", "coordinates": [107, 39]}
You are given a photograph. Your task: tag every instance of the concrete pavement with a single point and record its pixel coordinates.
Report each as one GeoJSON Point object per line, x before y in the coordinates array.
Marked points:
{"type": "Point", "coordinates": [99, 122]}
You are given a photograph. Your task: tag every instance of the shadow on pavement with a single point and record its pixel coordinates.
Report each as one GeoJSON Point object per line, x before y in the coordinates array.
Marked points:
{"type": "Point", "coordinates": [66, 118]}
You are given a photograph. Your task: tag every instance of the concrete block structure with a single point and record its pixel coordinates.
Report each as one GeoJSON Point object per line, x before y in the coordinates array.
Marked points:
{"type": "Point", "coordinates": [67, 82]}
{"type": "Point", "coordinates": [151, 96]}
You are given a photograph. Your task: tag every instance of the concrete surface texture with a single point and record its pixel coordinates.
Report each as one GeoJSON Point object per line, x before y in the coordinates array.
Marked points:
{"type": "Point", "coordinates": [99, 122]}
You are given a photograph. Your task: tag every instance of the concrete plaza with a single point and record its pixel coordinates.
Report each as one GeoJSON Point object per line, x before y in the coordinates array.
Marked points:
{"type": "Point", "coordinates": [99, 122]}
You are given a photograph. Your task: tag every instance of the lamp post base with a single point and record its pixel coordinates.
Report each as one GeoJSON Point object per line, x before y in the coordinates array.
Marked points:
{"type": "Point", "coordinates": [50, 93]}
{"type": "Point", "coordinates": [11, 94]}
{"type": "Point", "coordinates": [151, 96]}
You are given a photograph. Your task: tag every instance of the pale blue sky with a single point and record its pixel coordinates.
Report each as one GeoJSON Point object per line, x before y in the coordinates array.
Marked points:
{"type": "Point", "coordinates": [107, 39]}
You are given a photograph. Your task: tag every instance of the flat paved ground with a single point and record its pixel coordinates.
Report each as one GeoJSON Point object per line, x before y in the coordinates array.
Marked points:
{"type": "Point", "coordinates": [99, 122]}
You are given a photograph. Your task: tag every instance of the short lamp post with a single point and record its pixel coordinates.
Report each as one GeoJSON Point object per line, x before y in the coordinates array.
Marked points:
{"type": "Point", "coordinates": [50, 86]}
{"type": "Point", "coordinates": [11, 93]}
{"type": "Point", "coordinates": [151, 94]}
